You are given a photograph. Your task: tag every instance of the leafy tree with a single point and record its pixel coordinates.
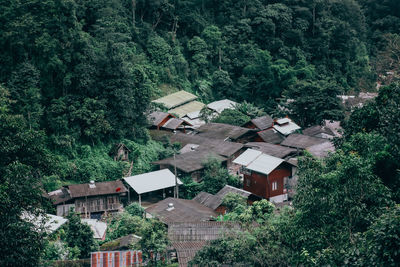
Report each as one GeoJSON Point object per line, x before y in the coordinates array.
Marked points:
{"type": "Point", "coordinates": [80, 235]}
{"type": "Point", "coordinates": [154, 238]}
{"type": "Point", "coordinates": [216, 177]}
{"type": "Point", "coordinates": [135, 209]}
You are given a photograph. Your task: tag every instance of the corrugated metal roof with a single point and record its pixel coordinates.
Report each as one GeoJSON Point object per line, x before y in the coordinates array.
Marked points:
{"type": "Point", "coordinates": [321, 150]}
{"type": "Point", "coordinates": [176, 99]}
{"type": "Point", "coordinates": [264, 164]}
{"type": "Point", "coordinates": [101, 188]}
{"type": "Point", "coordinates": [302, 141]}
{"type": "Point", "coordinates": [223, 131]}
{"type": "Point", "coordinates": [271, 136]}
{"type": "Point", "coordinates": [263, 122]}
{"type": "Point", "coordinates": [187, 108]}
{"type": "Point", "coordinates": [151, 181]}
{"type": "Point", "coordinates": [247, 157]}
{"type": "Point", "coordinates": [49, 223]}
{"type": "Point", "coordinates": [221, 105]}
{"type": "Point", "coordinates": [283, 120]}
{"type": "Point", "coordinates": [99, 228]}
{"type": "Point", "coordinates": [156, 117]}
{"type": "Point", "coordinates": [287, 129]}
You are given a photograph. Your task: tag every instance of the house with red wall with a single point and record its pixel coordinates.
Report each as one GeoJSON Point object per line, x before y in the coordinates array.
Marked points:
{"type": "Point", "coordinates": [264, 175]}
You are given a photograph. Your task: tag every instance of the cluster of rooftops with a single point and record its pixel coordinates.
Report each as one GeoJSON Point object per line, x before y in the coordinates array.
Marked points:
{"type": "Point", "coordinates": [263, 152]}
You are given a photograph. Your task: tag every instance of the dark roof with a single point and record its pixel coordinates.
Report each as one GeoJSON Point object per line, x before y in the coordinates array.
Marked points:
{"type": "Point", "coordinates": [184, 210]}
{"type": "Point", "coordinates": [59, 196]}
{"type": "Point", "coordinates": [190, 161]}
{"type": "Point", "coordinates": [188, 238]}
{"type": "Point", "coordinates": [263, 122]}
{"type": "Point", "coordinates": [318, 130]}
{"type": "Point", "coordinates": [271, 149]}
{"type": "Point", "coordinates": [301, 141]}
{"type": "Point", "coordinates": [114, 149]}
{"type": "Point", "coordinates": [156, 117]}
{"type": "Point", "coordinates": [221, 147]}
{"type": "Point", "coordinates": [222, 131]}
{"type": "Point", "coordinates": [214, 201]}
{"type": "Point", "coordinates": [102, 188]}
{"type": "Point", "coordinates": [271, 136]}
{"type": "Point", "coordinates": [174, 123]}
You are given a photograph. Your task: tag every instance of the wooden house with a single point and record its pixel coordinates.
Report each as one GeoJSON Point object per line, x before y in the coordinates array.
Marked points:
{"type": "Point", "coordinates": [119, 152]}
{"type": "Point", "coordinates": [264, 175]}
{"type": "Point", "coordinates": [215, 201]}
{"type": "Point", "coordinates": [269, 136]}
{"type": "Point", "coordinates": [226, 132]}
{"type": "Point", "coordinates": [90, 200]}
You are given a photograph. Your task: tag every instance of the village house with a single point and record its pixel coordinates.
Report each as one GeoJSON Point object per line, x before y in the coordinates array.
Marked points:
{"type": "Point", "coordinates": [272, 150]}
{"type": "Point", "coordinates": [151, 182]}
{"type": "Point", "coordinates": [119, 152]}
{"type": "Point", "coordinates": [260, 123]}
{"type": "Point", "coordinates": [264, 175]}
{"type": "Point", "coordinates": [215, 201]}
{"type": "Point", "coordinates": [318, 147]}
{"type": "Point", "coordinates": [226, 132]}
{"type": "Point", "coordinates": [187, 238]}
{"type": "Point", "coordinates": [90, 200]}
{"type": "Point", "coordinates": [174, 210]}
{"type": "Point", "coordinates": [167, 121]}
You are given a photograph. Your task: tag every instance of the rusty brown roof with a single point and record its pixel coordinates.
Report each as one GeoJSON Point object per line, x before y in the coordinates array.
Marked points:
{"type": "Point", "coordinates": [101, 188]}
{"type": "Point", "coordinates": [184, 210]}
{"type": "Point", "coordinates": [156, 117]}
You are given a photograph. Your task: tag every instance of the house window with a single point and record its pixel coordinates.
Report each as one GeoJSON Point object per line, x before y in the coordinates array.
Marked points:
{"type": "Point", "coordinates": [248, 182]}
{"type": "Point", "coordinates": [274, 186]}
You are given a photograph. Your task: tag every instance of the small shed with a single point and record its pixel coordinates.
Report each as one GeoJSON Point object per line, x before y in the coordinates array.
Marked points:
{"type": "Point", "coordinates": [119, 152]}
{"type": "Point", "coordinates": [260, 123]}
{"type": "Point", "coordinates": [152, 181]}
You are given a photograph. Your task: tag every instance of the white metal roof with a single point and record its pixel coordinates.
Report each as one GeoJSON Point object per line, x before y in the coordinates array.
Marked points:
{"type": "Point", "coordinates": [287, 128]}
{"type": "Point", "coordinates": [50, 223]}
{"type": "Point", "coordinates": [257, 161]}
{"type": "Point", "coordinates": [283, 120]}
{"type": "Point", "coordinates": [152, 181]}
{"type": "Point", "coordinates": [220, 105]}
{"type": "Point", "coordinates": [99, 228]}
{"type": "Point", "coordinates": [264, 164]}
{"type": "Point", "coordinates": [247, 157]}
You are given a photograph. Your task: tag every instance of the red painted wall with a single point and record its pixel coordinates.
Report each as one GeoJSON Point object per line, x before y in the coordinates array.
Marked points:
{"type": "Point", "coordinates": [261, 184]}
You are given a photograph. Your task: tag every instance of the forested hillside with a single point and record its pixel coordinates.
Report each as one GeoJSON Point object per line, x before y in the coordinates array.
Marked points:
{"type": "Point", "coordinates": [77, 76]}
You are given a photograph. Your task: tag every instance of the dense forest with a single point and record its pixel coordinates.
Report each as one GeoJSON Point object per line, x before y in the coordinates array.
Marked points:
{"type": "Point", "coordinates": [78, 76]}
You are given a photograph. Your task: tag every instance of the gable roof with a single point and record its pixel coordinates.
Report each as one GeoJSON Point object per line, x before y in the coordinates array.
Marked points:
{"type": "Point", "coordinates": [116, 147]}
{"type": "Point", "coordinates": [319, 131]}
{"type": "Point", "coordinates": [257, 161]}
{"type": "Point", "coordinates": [286, 126]}
{"type": "Point", "coordinates": [182, 210]}
{"type": "Point", "coordinates": [218, 146]}
{"type": "Point", "coordinates": [59, 196]}
{"type": "Point", "coordinates": [99, 228]}
{"type": "Point", "coordinates": [176, 99]}
{"type": "Point", "coordinates": [301, 141]}
{"type": "Point", "coordinates": [223, 131]}
{"type": "Point", "coordinates": [48, 223]}
{"type": "Point", "coordinates": [263, 122]}
{"type": "Point", "coordinates": [152, 181]}
{"type": "Point", "coordinates": [221, 105]}
{"type": "Point", "coordinates": [321, 150]}
{"type": "Point", "coordinates": [156, 117]}
{"type": "Point", "coordinates": [188, 108]}
{"type": "Point", "coordinates": [271, 149]}
{"type": "Point", "coordinates": [190, 161]}
{"type": "Point", "coordinates": [102, 188]}
{"type": "Point", "coordinates": [214, 201]}
{"type": "Point", "coordinates": [271, 136]}
{"type": "Point", "coordinates": [174, 123]}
